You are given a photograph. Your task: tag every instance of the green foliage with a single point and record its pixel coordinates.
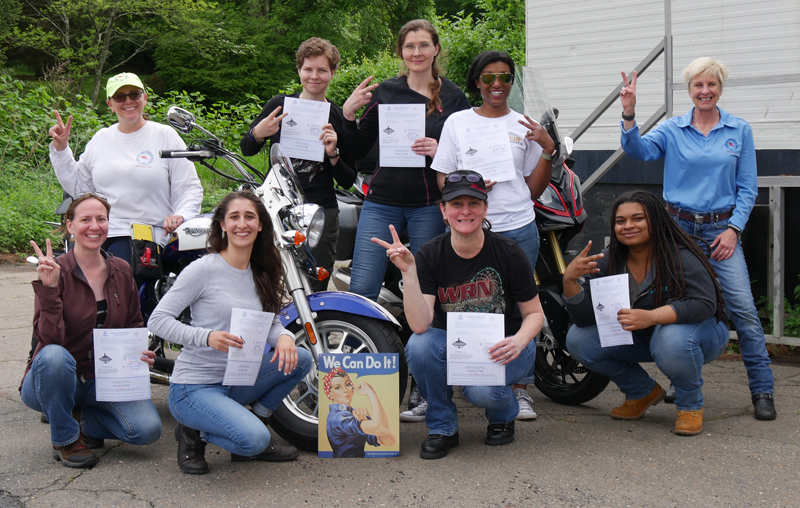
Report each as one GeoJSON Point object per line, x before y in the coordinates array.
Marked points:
{"type": "Point", "coordinates": [791, 320]}
{"type": "Point", "coordinates": [29, 198]}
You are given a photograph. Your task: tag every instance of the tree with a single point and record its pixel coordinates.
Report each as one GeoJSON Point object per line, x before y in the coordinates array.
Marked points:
{"type": "Point", "coordinates": [11, 10]}
{"type": "Point", "coordinates": [87, 37]}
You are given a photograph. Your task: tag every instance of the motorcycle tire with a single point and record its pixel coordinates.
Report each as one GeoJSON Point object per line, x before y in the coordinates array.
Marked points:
{"type": "Point", "coordinates": [563, 379]}
{"type": "Point", "coordinates": [295, 420]}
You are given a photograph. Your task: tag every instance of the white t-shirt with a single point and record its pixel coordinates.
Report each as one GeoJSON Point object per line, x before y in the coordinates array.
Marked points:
{"type": "Point", "coordinates": [510, 204]}
{"type": "Point", "coordinates": [140, 186]}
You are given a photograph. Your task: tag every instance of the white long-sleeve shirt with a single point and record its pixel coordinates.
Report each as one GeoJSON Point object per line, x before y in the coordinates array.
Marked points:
{"type": "Point", "coordinates": [140, 186]}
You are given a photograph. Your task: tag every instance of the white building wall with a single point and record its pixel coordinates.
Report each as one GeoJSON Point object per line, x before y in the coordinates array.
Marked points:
{"type": "Point", "coordinates": [580, 47]}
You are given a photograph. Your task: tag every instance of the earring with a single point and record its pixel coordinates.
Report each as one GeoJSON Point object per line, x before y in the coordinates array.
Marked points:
{"type": "Point", "coordinates": [223, 234]}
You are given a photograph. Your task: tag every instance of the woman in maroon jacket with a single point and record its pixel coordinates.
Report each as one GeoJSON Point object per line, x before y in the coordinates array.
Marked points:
{"type": "Point", "coordinates": [76, 293]}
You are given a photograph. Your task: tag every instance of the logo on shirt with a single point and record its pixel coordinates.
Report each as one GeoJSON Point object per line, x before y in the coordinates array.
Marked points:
{"type": "Point", "coordinates": [483, 294]}
{"type": "Point", "coordinates": [145, 158]}
{"type": "Point", "coordinates": [732, 145]}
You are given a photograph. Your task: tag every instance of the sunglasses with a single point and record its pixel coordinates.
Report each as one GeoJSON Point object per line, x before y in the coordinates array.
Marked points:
{"type": "Point", "coordinates": [120, 97]}
{"type": "Point", "coordinates": [457, 178]}
{"type": "Point", "coordinates": [504, 77]}
{"type": "Point", "coordinates": [97, 195]}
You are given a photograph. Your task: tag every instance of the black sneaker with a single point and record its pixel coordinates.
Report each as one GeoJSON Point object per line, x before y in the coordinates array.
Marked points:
{"type": "Point", "coordinates": [498, 434]}
{"type": "Point", "coordinates": [764, 406]}
{"type": "Point", "coordinates": [437, 446]}
{"type": "Point", "coordinates": [414, 397]}
{"type": "Point", "coordinates": [273, 453]}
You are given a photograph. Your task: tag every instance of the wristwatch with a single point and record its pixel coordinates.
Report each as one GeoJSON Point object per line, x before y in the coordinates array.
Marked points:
{"type": "Point", "coordinates": [736, 230]}
{"type": "Point", "coordinates": [548, 156]}
{"type": "Point", "coordinates": [335, 154]}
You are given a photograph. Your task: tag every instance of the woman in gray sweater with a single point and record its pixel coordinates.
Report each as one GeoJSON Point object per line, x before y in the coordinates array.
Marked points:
{"type": "Point", "coordinates": [243, 272]}
{"type": "Point", "coordinates": [677, 316]}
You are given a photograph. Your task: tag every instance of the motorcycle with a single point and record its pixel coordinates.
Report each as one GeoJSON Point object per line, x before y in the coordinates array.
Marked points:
{"type": "Point", "coordinates": [560, 216]}
{"type": "Point", "coordinates": [323, 322]}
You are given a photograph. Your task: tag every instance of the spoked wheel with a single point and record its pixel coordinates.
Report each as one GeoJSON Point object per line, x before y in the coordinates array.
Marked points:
{"type": "Point", "coordinates": [296, 418]}
{"type": "Point", "coordinates": [565, 380]}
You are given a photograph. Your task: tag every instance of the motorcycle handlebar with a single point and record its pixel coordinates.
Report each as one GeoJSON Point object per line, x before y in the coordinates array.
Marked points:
{"type": "Point", "coordinates": [175, 154]}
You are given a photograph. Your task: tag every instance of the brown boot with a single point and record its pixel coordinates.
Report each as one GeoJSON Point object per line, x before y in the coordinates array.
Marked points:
{"type": "Point", "coordinates": [689, 423]}
{"type": "Point", "coordinates": [75, 454]}
{"type": "Point", "coordinates": [634, 409]}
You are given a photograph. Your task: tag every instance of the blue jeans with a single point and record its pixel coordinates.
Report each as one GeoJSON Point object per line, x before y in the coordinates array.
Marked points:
{"type": "Point", "coordinates": [528, 238]}
{"type": "Point", "coordinates": [738, 296]}
{"type": "Point", "coordinates": [426, 354]}
{"type": "Point", "coordinates": [53, 388]}
{"type": "Point", "coordinates": [369, 259]}
{"type": "Point", "coordinates": [679, 350]}
{"type": "Point", "coordinates": [218, 411]}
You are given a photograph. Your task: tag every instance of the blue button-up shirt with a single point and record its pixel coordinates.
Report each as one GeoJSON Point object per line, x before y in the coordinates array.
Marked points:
{"type": "Point", "coordinates": [702, 174]}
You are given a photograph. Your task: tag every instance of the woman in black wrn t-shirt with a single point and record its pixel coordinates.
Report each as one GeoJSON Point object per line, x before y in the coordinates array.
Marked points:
{"type": "Point", "coordinates": [469, 269]}
{"type": "Point", "coordinates": [404, 197]}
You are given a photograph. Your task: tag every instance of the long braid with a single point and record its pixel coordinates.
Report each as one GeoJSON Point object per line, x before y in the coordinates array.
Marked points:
{"type": "Point", "coordinates": [665, 236]}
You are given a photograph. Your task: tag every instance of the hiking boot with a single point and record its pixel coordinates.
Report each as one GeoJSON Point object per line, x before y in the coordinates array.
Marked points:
{"type": "Point", "coordinates": [498, 434]}
{"type": "Point", "coordinates": [635, 408]}
{"type": "Point", "coordinates": [689, 423]}
{"type": "Point", "coordinates": [75, 454]}
{"type": "Point", "coordinates": [417, 414]}
{"type": "Point", "coordinates": [272, 453]}
{"type": "Point", "coordinates": [525, 401]}
{"type": "Point", "coordinates": [437, 446]}
{"type": "Point", "coordinates": [191, 450]}
{"type": "Point", "coordinates": [764, 406]}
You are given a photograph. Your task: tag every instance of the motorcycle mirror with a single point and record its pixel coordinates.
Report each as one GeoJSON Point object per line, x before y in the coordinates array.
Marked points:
{"type": "Point", "coordinates": [568, 142]}
{"type": "Point", "coordinates": [180, 119]}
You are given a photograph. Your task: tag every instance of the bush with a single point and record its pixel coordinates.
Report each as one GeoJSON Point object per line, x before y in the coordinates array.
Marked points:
{"type": "Point", "coordinates": [29, 198]}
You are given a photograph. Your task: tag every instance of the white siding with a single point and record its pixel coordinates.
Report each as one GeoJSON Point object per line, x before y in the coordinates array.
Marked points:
{"type": "Point", "coordinates": [580, 47]}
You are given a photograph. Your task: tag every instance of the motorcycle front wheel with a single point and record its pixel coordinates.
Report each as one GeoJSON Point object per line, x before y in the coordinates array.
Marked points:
{"type": "Point", "coordinates": [563, 379]}
{"type": "Point", "coordinates": [296, 418]}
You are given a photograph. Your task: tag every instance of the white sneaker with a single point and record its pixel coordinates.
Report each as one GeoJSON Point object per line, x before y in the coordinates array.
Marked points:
{"type": "Point", "coordinates": [415, 415]}
{"type": "Point", "coordinates": [526, 411]}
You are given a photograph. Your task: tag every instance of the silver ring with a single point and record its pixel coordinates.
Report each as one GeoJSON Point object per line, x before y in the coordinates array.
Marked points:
{"type": "Point", "coordinates": [508, 353]}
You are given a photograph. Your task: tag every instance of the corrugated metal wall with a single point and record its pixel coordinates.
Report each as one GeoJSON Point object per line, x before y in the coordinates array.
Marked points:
{"type": "Point", "coordinates": [580, 46]}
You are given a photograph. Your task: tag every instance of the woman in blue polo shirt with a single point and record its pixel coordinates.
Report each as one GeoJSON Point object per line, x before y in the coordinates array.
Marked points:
{"type": "Point", "coordinates": [710, 187]}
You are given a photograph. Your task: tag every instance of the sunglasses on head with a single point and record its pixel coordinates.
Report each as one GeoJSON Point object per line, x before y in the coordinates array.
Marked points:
{"type": "Point", "coordinates": [91, 195]}
{"type": "Point", "coordinates": [504, 77]}
{"type": "Point", "coordinates": [134, 95]}
{"type": "Point", "coordinates": [457, 178]}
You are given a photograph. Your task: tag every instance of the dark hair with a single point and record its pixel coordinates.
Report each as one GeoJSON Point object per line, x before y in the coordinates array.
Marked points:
{"type": "Point", "coordinates": [480, 62]}
{"type": "Point", "coordinates": [70, 213]}
{"type": "Point", "coordinates": [435, 103]}
{"type": "Point", "coordinates": [666, 236]}
{"type": "Point", "coordinates": [315, 47]}
{"type": "Point", "coordinates": [265, 261]}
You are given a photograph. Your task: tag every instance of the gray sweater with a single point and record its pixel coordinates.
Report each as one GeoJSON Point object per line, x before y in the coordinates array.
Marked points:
{"type": "Point", "coordinates": [211, 288]}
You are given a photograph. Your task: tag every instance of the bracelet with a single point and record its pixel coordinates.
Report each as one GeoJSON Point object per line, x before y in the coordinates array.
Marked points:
{"type": "Point", "coordinates": [736, 230]}
{"type": "Point", "coordinates": [628, 118]}
{"type": "Point", "coordinates": [259, 141]}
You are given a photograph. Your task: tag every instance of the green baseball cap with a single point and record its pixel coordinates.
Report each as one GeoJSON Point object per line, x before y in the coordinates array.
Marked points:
{"type": "Point", "coordinates": [120, 80]}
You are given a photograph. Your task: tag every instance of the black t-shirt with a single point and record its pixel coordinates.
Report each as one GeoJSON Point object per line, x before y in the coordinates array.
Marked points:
{"type": "Point", "coordinates": [492, 282]}
{"type": "Point", "coordinates": [102, 313]}
{"type": "Point", "coordinates": [315, 177]}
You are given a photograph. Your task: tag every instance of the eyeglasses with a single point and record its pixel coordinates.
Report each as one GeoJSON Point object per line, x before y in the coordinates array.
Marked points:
{"type": "Point", "coordinates": [134, 95]}
{"type": "Point", "coordinates": [457, 178]}
{"type": "Point", "coordinates": [97, 195]}
{"type": "Point", "coordinates": [504, 77]}
{"type": "Point", "coordinates": [423, 48]}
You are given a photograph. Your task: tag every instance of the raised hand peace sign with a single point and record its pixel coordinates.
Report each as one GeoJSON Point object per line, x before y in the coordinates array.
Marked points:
{"type": "Point", "coordinates": [270, 125]}
{"type": "Point", "coordinates": [397, 252]}
{"type": "Point", "coordinates": [359, 98]}
{"type": "Point", "coordinates": [628, 94]}
{"type": "Point", "coordinates": [48, 269]}
{"type": "Point", "coordinates": [60, 132]}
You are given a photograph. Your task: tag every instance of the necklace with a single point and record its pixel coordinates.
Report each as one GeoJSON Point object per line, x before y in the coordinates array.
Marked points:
{"type": "Point", "coordinates": [696, 124]}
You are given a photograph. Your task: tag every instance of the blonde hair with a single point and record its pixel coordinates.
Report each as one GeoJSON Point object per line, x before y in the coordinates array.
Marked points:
{"type": "Point", "coordinates": [706, 65]}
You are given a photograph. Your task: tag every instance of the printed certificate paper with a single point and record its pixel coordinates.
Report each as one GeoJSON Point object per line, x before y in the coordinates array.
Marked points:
{"type": "Point", "coordinates": [252, 326]}
{"type": "Point", "coordinates": [486, 149]}
{"type": "Point", "coordinates": [609, 295]}
{"type": "Point", "coordinates": [120, 374]}
{"type": "Point", "coordinates": [398, 126]}
{"type": "Point", "coordinates": [469, 336]}
{"type": "Point", "coordinates": [302, 126]}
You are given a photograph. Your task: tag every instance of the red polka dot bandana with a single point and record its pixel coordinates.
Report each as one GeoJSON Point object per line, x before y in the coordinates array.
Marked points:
{"type": "Point", "coordinates": [326, 381]}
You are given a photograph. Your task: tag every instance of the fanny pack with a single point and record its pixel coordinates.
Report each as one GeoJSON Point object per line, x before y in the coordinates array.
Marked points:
{"type": "Point", "coordinates": [145, 253]}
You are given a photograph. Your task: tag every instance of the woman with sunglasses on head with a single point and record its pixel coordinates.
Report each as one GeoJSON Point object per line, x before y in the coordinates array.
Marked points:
{"type": "Point", "coordinates": [74, 294]}
{"type": "Point", "coordinates": [402, 196]}
{"type": "Point", "coordinates": [122, 162]}
{"type": "Point", "coordinates": [468, 269]}
{"type": "Point", "coordinates": [511, 213]}
{"type": "Point", "coordinates": [677, 315]}
{"type": "Point", "coordinates": [245, 272]}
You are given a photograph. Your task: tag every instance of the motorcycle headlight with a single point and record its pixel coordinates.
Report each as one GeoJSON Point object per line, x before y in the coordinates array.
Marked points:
{"type": "Point", "coordinates": [310, 218]}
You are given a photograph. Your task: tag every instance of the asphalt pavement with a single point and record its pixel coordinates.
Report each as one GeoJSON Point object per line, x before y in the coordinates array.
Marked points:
{"type": "Point", "coordinates": [569, 456]}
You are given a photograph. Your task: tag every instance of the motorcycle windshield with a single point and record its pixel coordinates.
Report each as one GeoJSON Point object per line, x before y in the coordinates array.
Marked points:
{"type": "Point", "coordinates": [290, 185]}
{"type": "Point", "coordinates": [529, 96]}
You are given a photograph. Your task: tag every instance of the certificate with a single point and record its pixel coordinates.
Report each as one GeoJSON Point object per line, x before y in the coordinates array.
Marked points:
{"type": "Point", "coordinates": [485, 148]}
{"type": "Point", "coordinates": [252, 327]}
{"type": "Point", "coordinates": [469, 337]}
{"type": "Point", "coordinates": [302, 126]}
{"type": "Point", "coordinates": [609, 295]}
{"type": "Point", "coordinates": [119, 372]}
{"type": "Point", "coordinates": [399, 125]}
